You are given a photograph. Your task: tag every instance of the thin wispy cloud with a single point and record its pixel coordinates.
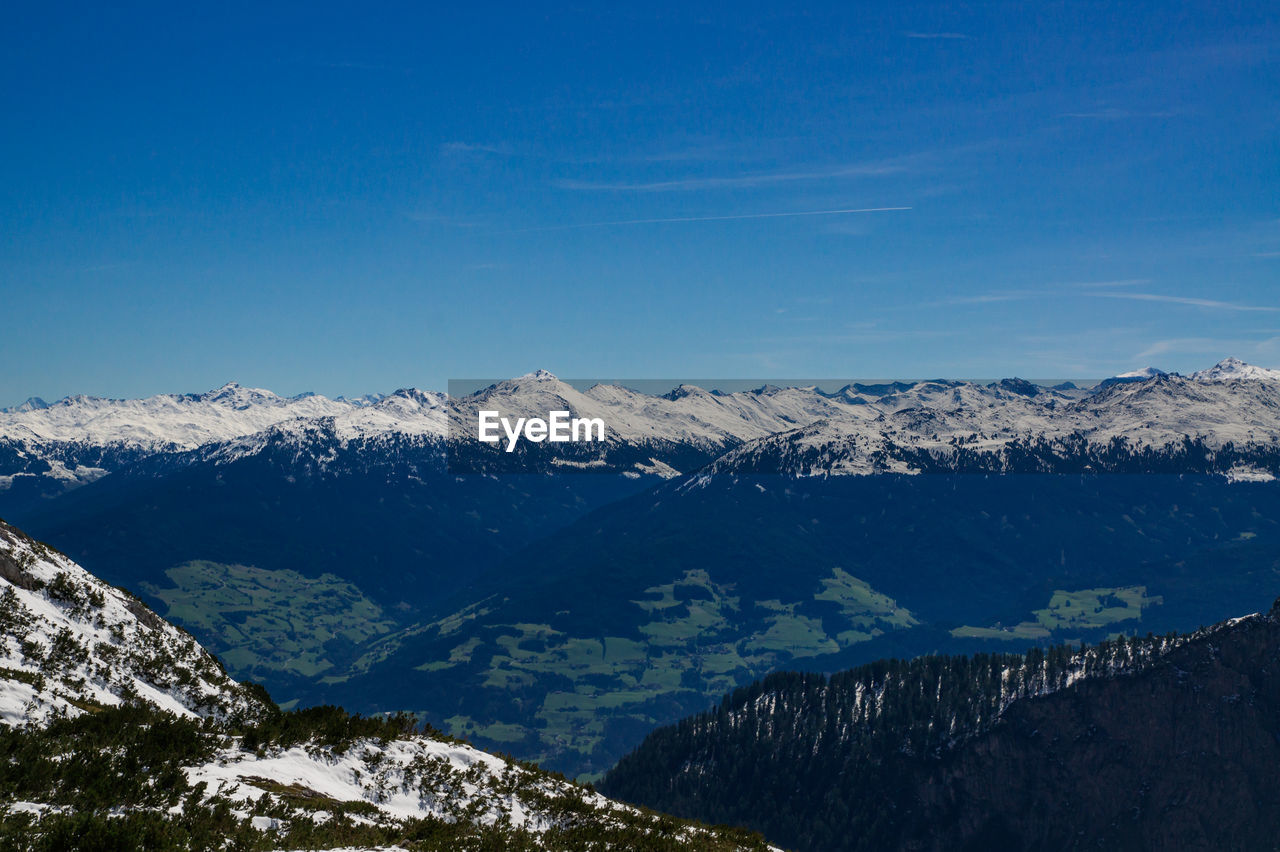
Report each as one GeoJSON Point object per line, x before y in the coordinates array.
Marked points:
{"type": "Point", "coordinates": [1046, 292]}
{"type": "Point", "coordinates": [875, 169]}
{"type": "Point", "coordinates": [1179, 344]}
{"type": "Point", "coordinates": [351, 65]}
{"type": "Point", "coordinates": [992, 298]}
{"type": "Point", "coordinates": [943, 36]}
{"type": "Point", "coordinates": [691, 154]}
{"type": "Point", "coordinates": [1262, 351]}
{"type": "Point", "coordinates": [736, 217]}
{"type": "Point", "coordinates": [1120, 282]}
{"type": "Point", "coordinates": [1050, 291]}
{"type": "Point", "coordinates": [461, 149]}
{"type": "Point", "coordinates": [1082, 353]}
{"type": "Point", "coordinates": [427, 217]}
{"type": "Point", "coordinates": [1190, 301]}
{"type": "Point", "coordinates": [865, 337]}
{"type": "Point", "coordinates": [1117, 114]}
{"type": "Point", "coordinates": [710, 150]}
{"type": "Point", "coordinates": [1088, 288]}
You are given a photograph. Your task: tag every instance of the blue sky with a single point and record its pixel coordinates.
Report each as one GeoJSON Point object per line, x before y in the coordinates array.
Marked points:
{"type": "Point", "coordinates": [361, 197]}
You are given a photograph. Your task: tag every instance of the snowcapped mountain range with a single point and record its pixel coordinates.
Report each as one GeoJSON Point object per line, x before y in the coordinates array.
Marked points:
{"type": "Point", "coordinates": [1221, 420]}
{"type": "Point", "coordinates": [901, 427]}
{"type": "Point", "coordinates": [163, 422]}
{"type": "Point", "coordinates": [1233, 369]}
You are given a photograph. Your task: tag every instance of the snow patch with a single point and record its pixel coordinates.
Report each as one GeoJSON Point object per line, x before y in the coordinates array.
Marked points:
{"type": "Point", "coordinates": [71, 642]}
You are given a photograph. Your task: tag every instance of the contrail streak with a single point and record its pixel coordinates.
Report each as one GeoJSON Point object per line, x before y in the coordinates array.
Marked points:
{"type": "Point", "coordinates": [710, 218]}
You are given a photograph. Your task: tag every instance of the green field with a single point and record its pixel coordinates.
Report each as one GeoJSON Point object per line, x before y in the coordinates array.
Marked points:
{"type": "Point", "coordinates": [1084, 609]}
{"type": "Point", "coordinates": [270, 621]}
{"type": "Point", "coordinates": [692, 636]}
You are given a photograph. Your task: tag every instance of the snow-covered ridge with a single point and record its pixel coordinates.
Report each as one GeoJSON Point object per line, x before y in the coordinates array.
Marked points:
{"type": "Point", "coordinates": [417, 777]}
{"type": "Point", "coordinates": [165, 421]}
{"type": "Point", "coordinates": [70, 643]}
{"type": "Point", "coordinates": [408, 414]}
{"type": "Point", "coordinates": [855, 430]}
{"type": "Point", "coordinates": [842, 713]}
{"type": "Point", "coordinates": [1233, 369]}
{"type": "Point", "coordinates": [687, 414]}
{"type": "Point", "coordinates": [407, 778]}
{"type": "Point", "coordinates": [1228, 419]}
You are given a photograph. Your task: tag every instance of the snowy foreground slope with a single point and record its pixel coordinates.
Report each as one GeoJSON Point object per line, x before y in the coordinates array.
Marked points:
{"type": "Point", "coordinates": [70, 643]}
{"type": "Point", "coordinates": [116, 721]}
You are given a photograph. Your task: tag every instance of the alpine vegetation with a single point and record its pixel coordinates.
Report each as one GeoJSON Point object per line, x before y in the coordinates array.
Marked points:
{"type": "Point", "coordinates": [1105, 746]}
{"type": "Point", "coordinates": [119, 731]}
{"type": "Point", "coordinates": [71, 644]}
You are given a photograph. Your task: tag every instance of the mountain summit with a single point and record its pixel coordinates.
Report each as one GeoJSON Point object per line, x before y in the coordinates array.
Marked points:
{"type": "Point", "coordinates": [1233, 369]}
{"type": "Point", "coordinates": [1132, 376]}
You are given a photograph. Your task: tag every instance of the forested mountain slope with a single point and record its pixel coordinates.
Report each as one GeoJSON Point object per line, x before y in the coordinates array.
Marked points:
{"type": "Point", "coordinates": [1156, 743]}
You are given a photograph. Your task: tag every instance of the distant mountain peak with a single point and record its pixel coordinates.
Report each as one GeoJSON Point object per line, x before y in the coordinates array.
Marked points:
{"type": "Point", "coordinates": [1229, 369]}
{"type": "Point", "coordinates": [31, 403]}
{"type": "Point", "coordinates": [235, 390]}
{"type": "Point", "coordinates": [1144, 373]}
{"type": "Point", "coordinates": [682, 391]}
{"type": "Point", "coordinates": [1022, 387]}
{"type": "Point", "coordinates": [1132, 376]}
{"type": "Point", "coordinates": [373, 398]}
